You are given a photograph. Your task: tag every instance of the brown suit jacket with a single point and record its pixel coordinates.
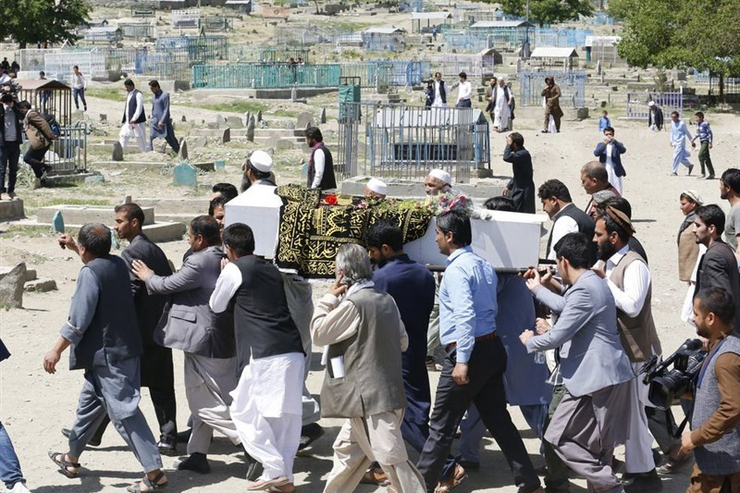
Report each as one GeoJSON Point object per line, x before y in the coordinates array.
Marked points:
{"type": "Point", "coordinates": [37, 130]}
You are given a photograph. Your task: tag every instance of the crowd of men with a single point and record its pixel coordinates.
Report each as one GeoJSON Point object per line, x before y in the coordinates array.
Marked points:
{"type": "Point", "coordinates": [567, 345]}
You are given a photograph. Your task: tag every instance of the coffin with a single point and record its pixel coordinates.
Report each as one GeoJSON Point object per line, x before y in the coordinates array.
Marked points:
{"type": "Point", "coordinates": [505, 239]}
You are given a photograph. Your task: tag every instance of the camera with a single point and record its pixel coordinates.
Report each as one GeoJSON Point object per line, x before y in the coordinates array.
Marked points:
{"type": "Point", "coordinates": [673, 377]}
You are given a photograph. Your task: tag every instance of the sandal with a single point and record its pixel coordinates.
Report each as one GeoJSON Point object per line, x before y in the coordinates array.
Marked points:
{"type": "Point", "coordinates": [152, 485]}
{"type": "Point", "coordinates": [58, 459]}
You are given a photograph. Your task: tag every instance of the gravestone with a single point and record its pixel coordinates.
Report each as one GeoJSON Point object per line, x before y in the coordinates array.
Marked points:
{"type": "Point", "coordinates": [11, 287]}
{"type": "Point", "coordinates": [285, 144]}
{"type": "Point", "coordinates": [183, 154]}
{"type": "Point", "coordinates": [159, 145]}
{"type": "Point", "coordinates": [250, 131]}
{"type": "Point", "coordinates": [259, 116]}
{"type": "Point", "coordinates": [117, 154]}
{"type": "Point", "coordinates": [246, 118]}
{"type": "Point", "coordinates": [220, 120]}
{"type": "Point", "coordinates": [183, 118]}
{"type": "Point", "coordinates": [103, 118]}
{"type": "Point", "coordinates": [197, 141]}
{"type": "Point", "coordinates": [582, 113]}
{"type": "Point", "coordinates": [57, 223]}
{"type": "Point", "coordinates": [323, 115]}
{"type": "Point", "coordinates": [293, 94]}
{"type": "Point", "coordinates": [234, 122]}
{"type": "Point", "coordinates": [185, 175]}
{"type": "Point", "coordinates": [304, 119]}
{"type": "Point", "coordinates": [226, 137]}
{"type": "Point", "coordinates": [219, 164]}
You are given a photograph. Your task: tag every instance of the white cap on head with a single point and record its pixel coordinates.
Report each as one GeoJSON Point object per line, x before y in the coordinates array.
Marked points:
{"type": "Point", "coordinates": [377, 186]}
{"type": "Point", "coordinates": [441, 175]}
{"type": "Point", "coordinates": [651, 103]}
{"type": "Point", "coordinates": [261, 161]}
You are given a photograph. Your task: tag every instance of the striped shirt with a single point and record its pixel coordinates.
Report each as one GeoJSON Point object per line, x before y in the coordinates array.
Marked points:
{"type": "Point", "coordinates": [704, 132]}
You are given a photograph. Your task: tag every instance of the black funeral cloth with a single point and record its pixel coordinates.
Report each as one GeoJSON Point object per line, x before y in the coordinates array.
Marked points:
{"type": "Point", "coordinates": [310, 236]}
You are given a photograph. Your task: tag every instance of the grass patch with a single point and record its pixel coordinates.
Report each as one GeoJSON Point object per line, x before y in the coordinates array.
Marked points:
{"type": "Point", "coordinates": [235, 107]}
{"type": "Point", "coordinates": [35, 202]}
{"type": "Point", "coordinates": [33, 231]}
{"type": "Point", "coordinates": [110, 93]}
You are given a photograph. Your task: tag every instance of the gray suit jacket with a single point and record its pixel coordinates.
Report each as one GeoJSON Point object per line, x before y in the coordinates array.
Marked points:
{"type": "Point", "coordinates": [592, 356]}
{"type": "Point", "coordinates": [191, 326]}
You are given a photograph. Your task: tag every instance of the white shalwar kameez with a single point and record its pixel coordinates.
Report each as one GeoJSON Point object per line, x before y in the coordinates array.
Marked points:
{"type": "Point", "coordinates": [267, 411]}
{"type": "Point", "coordinates": [501, 110]}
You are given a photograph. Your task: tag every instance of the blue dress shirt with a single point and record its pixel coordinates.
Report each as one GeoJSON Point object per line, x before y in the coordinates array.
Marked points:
{"type": "Point", "coordinates": [467, 301]}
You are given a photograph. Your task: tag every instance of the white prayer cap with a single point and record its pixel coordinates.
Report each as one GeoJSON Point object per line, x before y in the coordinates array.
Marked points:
{"type": "Point", "coordinates": [651, 103]}
{"type": "Point", "coordinates": [377, 186]}
{"type": "Point", "coordinates": [441, 175]}
{"type": "Point", "coordinates": [261, 161]}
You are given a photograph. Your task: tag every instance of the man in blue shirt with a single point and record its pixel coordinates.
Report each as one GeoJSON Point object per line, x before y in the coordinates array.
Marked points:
{"type": "Point", "coordinates": [476, 359]}
{"type": "Point", "coordinates": [704, 134]}
{"type": "Point", "coordinates": [412, 287]}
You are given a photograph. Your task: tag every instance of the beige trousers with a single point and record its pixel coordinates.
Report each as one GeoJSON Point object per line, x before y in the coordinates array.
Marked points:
{"type": "Point", "coordinates": [373, 438]}
{"type": "Point", "coordinates": [208, 382]}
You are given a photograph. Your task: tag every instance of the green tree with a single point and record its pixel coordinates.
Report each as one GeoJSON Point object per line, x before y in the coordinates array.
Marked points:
{"type": "Point", "coordinates": [31, 22]}
{"type": "Point", "coordinates": [548, 11]}
{"type": "Point", "coordinates": [704, 34]}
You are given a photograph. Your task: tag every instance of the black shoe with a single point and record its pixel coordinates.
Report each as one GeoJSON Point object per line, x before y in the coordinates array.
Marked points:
{"type": "Point", "coordinates": [309, 434]}
{"type": "Point", "coordinates": [167, 446]}
{"type": "Point", "coordinates": [254, 469]}
{"type": "Point", "coordinates": [184, 436]}
{"type": "Point", "coordinates": [197, 462]}
{"type": "Point", "coordinates": [95, 441]}
{"type": "Point", "coordinates": [646, 482]}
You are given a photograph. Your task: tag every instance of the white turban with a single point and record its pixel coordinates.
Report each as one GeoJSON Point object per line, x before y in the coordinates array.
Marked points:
{"type": "Point", "coordinates": [377, 186]}
{"type": "Point", "coordinates": [261, 161]}
{"type": "Point", "coordinates": [441, 175]}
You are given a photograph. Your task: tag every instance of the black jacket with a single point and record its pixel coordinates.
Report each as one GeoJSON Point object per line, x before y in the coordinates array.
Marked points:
{"type": "Point", "coordinates": [149, 307]}
{"type": "Point", "coordinates": [718, 269]}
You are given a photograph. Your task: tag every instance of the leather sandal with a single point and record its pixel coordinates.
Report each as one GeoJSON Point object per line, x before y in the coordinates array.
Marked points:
{"type": "Point", "coordinates": [152, 485]}
{"type": "Point", "coordinates": [58, 459]}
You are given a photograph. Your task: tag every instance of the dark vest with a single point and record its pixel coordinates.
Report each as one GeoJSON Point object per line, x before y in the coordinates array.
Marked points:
{"type": "Point", "coordinates": [261, 315]}
{"type": "Point", "coordinates": [723, 456]}
{"type": "Point", "coordinates": [113, 334]}
{"type": "Point", "coordinates": [327, 181]}
{"type": "Point", "coordinates": [132, 109]}
{"type": "Point", "coordinates": [373, 379]}
{"type": "Point", "coordinates": [638, 334]}
{"type": "Point", "coordinates": [585, 226]}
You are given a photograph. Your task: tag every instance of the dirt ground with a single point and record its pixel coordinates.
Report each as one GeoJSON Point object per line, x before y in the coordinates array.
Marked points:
{"type": "Point", "coordinates": [34, 405]}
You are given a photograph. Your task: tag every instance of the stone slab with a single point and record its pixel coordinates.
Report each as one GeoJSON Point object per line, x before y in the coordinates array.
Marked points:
{"type": "Point", "coordinates": [30, 273]}
{"type": "Point", "coordinates": [168, 206]}
{"type": "Point", "coordinates": [205, 166]}
{"type": "Point", "coordinates": [82, 214]}
{"type": "Point", "coordinates": [11, 209]}
{"type": "Point", "coordinates": [41, 286]}
{"type": "Point", "coordinates": [72, 178]}
{"type": "Point", "coordinates": [165, 231]}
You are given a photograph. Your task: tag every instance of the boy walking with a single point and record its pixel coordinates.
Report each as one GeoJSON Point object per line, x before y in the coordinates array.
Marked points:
{"type": "Point", "coordinates": [704, 134]}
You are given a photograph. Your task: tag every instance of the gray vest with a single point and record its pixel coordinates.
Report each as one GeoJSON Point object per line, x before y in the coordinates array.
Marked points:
{"type": "Point", "coordinates": [723, 456]}
{"type": "Point", "coordinates": [113, 334]}
{"type": "Point", "coordinates": [373, 382]}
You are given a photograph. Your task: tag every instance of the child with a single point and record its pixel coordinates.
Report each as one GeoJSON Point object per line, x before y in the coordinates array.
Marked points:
{"type": "Point", "coordinates": [604, 121]}
{"type": "Point", "coordinates": [704, 134]}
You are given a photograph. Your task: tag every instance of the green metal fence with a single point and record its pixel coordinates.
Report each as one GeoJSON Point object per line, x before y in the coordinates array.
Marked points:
{"type": "Point", "coordinates": [267, 76]}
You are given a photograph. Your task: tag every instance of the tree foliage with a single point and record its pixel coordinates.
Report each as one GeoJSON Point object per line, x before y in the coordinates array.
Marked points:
{"type": "Point", "coordinates": [704, 34]}
{"type": "Point", "coordinates": [32, 22]}
{"type": "Point", "coordinates": [548, 11]}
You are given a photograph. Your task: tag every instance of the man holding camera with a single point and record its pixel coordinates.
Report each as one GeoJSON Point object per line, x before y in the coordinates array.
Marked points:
{"type": "Point", "coordinates": [715, 435]}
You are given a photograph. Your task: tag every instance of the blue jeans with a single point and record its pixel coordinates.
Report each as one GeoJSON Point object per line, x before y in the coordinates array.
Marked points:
{"type": "Point", "coordinates": [80, 92]}
{"type": "Point", "coordinates": [10, 468]}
